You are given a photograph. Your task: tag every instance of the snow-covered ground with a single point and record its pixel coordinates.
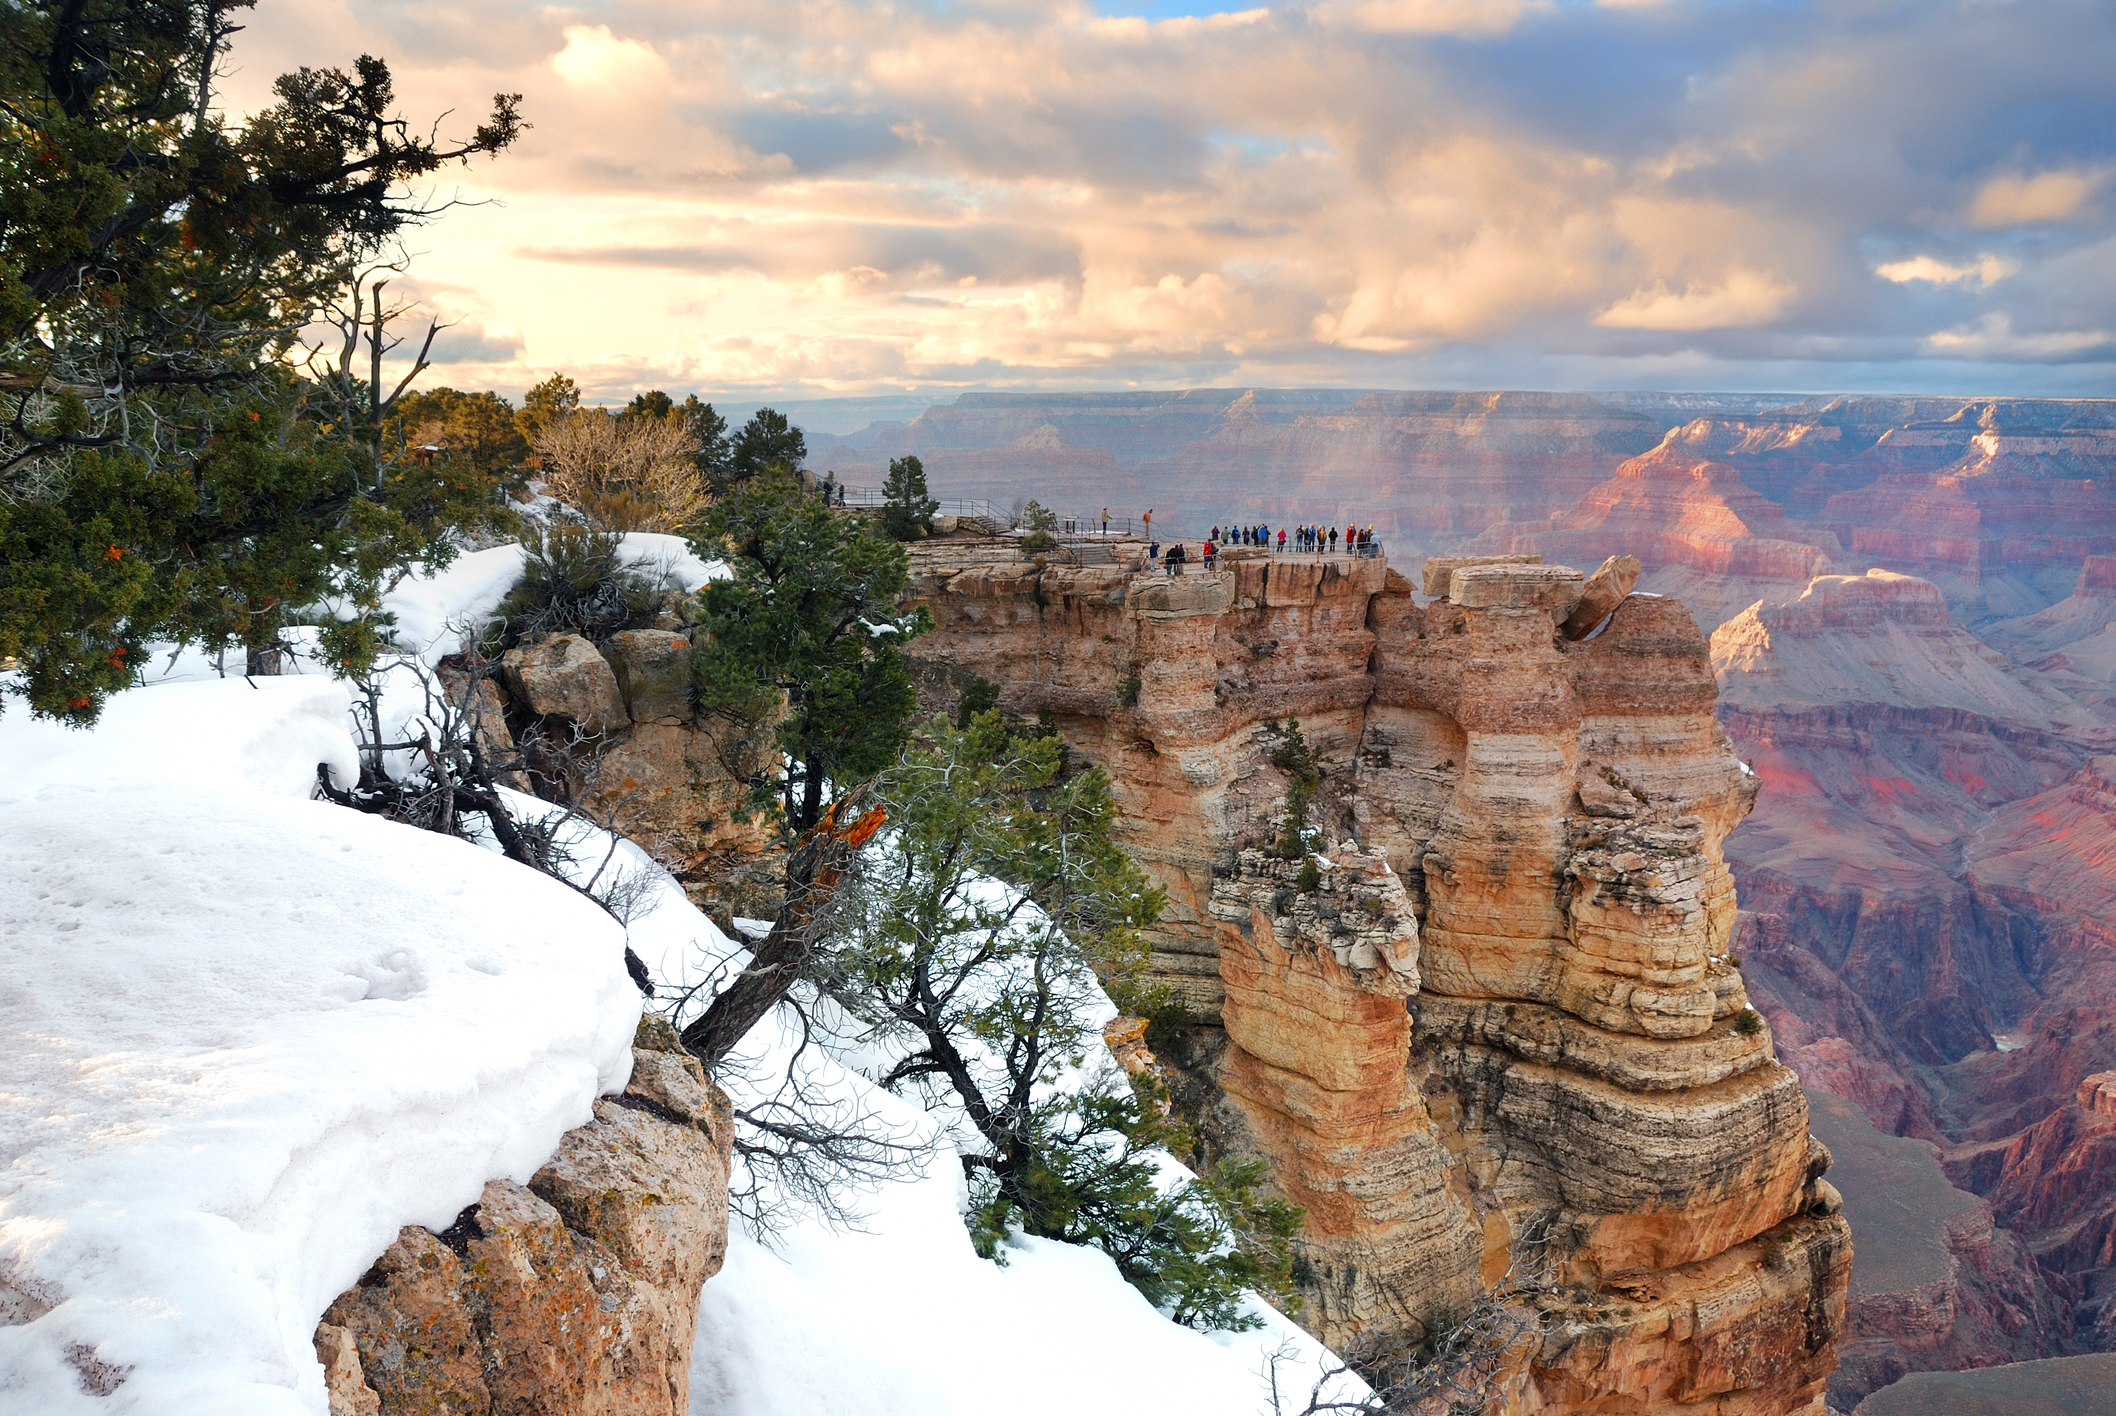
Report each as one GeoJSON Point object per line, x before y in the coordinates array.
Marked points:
{"type": "Point", "coordinates": [245, 1036]}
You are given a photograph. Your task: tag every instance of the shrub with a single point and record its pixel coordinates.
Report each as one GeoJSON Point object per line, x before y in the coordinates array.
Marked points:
{"type": "Point", "coordinates": [575, 580]}
{"type": "Point", "coordinates": [980, 695]}
{"type": "Point", "coordinates": [1128, 691]}
{"type": "Point", "coordinates": [1310, 878]}
{"type": "Point", "coordinates": [1748, 1022]}
{"type": "Point", "coordinates": [1039, 541]}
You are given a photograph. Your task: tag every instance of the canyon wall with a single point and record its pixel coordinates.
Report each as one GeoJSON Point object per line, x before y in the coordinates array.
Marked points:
{"type": "Point", "coordinates": [1501, 1029]}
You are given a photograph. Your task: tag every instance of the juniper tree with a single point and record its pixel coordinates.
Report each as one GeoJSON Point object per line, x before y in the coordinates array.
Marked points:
{"type": "Point", "coordinates": [995, 914]}
{"type": "Point", "coordinates": [160, 474]}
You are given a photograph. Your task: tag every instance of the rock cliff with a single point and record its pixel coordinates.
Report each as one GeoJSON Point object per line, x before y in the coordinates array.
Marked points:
{"type": "Point", "coordinates": [574, 1294]}
{"type": "Point", "coordinates": [1503, 1024]}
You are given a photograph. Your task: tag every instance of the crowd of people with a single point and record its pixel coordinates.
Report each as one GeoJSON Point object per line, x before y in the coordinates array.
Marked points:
{"type": "Point", "coordinates": [1285, 540]}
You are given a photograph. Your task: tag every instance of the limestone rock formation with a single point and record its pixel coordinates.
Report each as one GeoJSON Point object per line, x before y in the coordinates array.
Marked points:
{"type": "Point", "coordinates": [574, 1294]}
{"type": "Point", "coordinates": [1505, 1025]}
{"type": "Point", "coordinates": [661, 775]}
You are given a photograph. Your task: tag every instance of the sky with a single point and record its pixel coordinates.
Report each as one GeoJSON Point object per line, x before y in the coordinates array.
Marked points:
{"type": "Point", "coordinates": [806, 199]}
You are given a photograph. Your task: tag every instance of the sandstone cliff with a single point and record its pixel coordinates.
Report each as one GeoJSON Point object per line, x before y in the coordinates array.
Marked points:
{"type": "Point", "coordinates": [1505, 1018]}
{"type": "Point", "coordinates": [574, 1294]}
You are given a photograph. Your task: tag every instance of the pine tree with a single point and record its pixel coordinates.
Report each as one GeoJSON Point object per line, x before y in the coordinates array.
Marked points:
{"type": "Point", "coordinates": [907, 511]}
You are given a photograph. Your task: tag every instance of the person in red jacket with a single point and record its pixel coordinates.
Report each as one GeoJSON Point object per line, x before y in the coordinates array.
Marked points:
{"type": "Point", "coordinates": [1212, 554]}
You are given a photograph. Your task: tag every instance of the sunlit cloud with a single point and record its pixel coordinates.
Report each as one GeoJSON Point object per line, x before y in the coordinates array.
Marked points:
{"type": "Point", "coordinates": [2017, 200]}
{"type": "Point", "coordinates": [1746, 298]}
{"type": "Point", "coordinates": [837, 196]}
{"type": "Point", "coordinates": [1986, 270]}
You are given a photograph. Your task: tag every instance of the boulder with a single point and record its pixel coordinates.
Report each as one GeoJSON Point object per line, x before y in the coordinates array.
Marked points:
{"type": "Point", "coordinates": [577, 1293]}
{"type": "Point", "coordinates": [1555, 588]}
{"type": "Point", "coordinates": [653, 668]}
{"type": "Point", "coordinates": [1611, 582]}
{"type": "Point", "coordinates": [1438, 576]}
{"type": "Point", "coordinates": [563, 676]}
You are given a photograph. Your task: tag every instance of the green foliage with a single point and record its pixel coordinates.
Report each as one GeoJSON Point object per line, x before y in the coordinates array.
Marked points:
{"type": "Point", "coordinates": [1303, 766]}
{"type": "Point", "coordinates": [159, 475]}
{"type": "Point", "coordinates": [1037, 542]}
{"type": "Point", "coordinates": [766, 441]}
{"type": "Point", "coordinates": [1748, 1022]}
{"type": "Point", "coordinates": [980, 695]}
{"type": "Point", "coordinates": [574, 581]}
{"type": "Point", "coordinates": [263, 526]}
{"type": "Point", "coordinates": [480, 431]}
{"type": "Point", "coordinates": [555, 398]}
{"type": "Point", "coordinates": [1310, 878]}
{"type": "Point", "coordinates": [991, 997]}
{"type": "Point", "coordinates": [716, 451]}
{"type": "Point", "coordinates": [907, 511]}
{"type": "Point", "coordinates": [1128, 690]}
{"type": "Point", "coordinates": [805, 634]}
{"type": "Point", "coordinates": [1038, 517]}
{"type": "Point", "coordinates": [653, 404]}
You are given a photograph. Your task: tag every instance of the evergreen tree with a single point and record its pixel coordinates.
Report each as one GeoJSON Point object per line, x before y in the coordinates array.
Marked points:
{"type": "Point", "coordinates": [805, 637]}
{"type": "Point", "coordinates": [907, 511]}
{"type": "Point", "coordinates": [708, 429]}
{"type": "Point", "coordinates": [767, 440]}
{"type": "Point", "coordinates": [556, 398]}
{"type": "Point", "coordinates": [159, 476]}
{"type": "Point", "coordinates": [998, 910]}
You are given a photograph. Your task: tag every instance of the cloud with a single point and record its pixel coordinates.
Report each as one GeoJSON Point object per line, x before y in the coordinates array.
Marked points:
{"type": "Point", "coordinates": [1985, 271]}
{"type": "Point", "coordinates": [1745, 299]}
{"type": "Point", "coordinates": [1436, 17]}
{"type": "Point", "coordinates": [2014, 199]}
{"type": "Point", "coordinates": [1993, 337]}
{"type": "Point", "coordinates": [473, 342]}
{"type": "Point", "coordinates": [836, 196]}
{"type": "Point", "coordinates": [596, 59]}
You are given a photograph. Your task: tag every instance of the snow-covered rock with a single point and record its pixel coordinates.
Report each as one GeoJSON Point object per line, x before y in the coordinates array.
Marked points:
{"type": "Point", "coordinates": [245, 1036]}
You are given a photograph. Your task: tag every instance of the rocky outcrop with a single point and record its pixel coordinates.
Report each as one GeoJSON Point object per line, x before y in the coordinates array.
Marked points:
{"type": "Point", "coordinates": [1937, 1285]}
{"type": "Point", "coordinates": [648, 763]}
{"type": "Point", "coordinates": [576, 1293]}
{"type": "Point", "coordinates": [1487, 1015]}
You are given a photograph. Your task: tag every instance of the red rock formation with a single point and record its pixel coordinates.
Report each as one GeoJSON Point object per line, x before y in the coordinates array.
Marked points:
{"type": "Point", "coordinates": [1697, 529]}
{"type": "Point", "coordinates": [1540, 820]}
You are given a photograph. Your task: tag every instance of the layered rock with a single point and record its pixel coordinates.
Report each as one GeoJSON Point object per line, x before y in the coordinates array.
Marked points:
{"type": "Point", "coordinates": [1697, 529]}
{"type": "Point", "coordinates": [576, 1293]}
{"type": "Point", "coordinates": [1523, 834]}
{"type": "Point", "coordinates": [1931, 867]}
{"type": "Point", "coordinates": [1937, 1285]}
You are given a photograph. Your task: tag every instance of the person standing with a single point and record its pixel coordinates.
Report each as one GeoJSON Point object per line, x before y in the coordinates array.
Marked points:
{"type": "Point", "coordinates": [1212, 552]}
{"type": "Point", "coordinates": [1105, 521]}
{"type": "Point", "coordinates": [1149, 519]}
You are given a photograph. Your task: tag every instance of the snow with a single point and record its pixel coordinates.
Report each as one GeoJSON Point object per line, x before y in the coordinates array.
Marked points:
{"type": "Point", "coordinates": [432, 611]}
{"type": "Point", "coordinates": [248, 1036]}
